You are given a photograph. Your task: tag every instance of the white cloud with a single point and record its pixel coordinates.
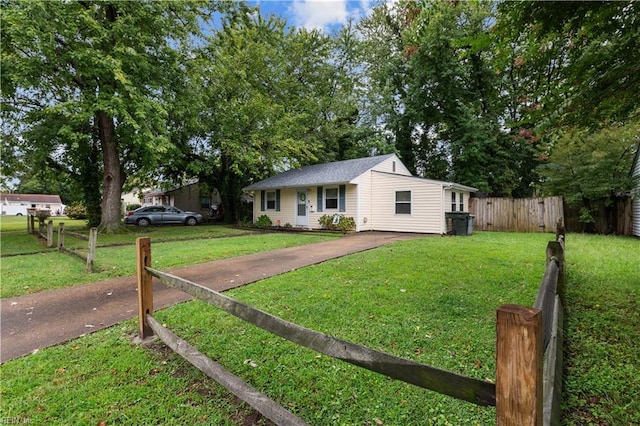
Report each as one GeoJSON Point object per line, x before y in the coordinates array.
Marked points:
{"type": "Point", "coordinates": [318, 14]}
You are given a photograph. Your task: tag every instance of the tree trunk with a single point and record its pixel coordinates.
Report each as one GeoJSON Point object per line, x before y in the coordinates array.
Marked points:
{"type": "Point", "coordinates": [113, 175]}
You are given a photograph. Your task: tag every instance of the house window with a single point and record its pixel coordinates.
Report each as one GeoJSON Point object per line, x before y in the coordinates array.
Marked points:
{"type": "Point", "coordinates": [453, 202]}
{"type": "Point", "coordinates": [205, 202]}
{"type": "Point", "coordinates": [271, 200]}
{"type": "Point", "coordinates": [461, 202]}
{"type": "Point", "coordinates": [403, 202]}
{"type": "Point", "coordinates": [331, 198]}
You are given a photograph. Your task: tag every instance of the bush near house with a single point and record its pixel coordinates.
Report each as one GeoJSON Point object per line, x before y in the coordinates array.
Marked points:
{"type": "Point", "coordinates": [76, 211]}
{"type": "Point", "coordinates": [263, 222]}
{"type": "Point", "coordinates": [344, 223]}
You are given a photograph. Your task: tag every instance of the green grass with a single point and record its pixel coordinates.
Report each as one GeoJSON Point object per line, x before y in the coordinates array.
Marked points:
{"type": "Point", "coordinates": [15, 239]}
{"type": "Point", "coordinates": [602, 331]}
{"type": "Point", "coordinates": [432, 300]}
{"type": "Point", "coordinates": [49, 270]}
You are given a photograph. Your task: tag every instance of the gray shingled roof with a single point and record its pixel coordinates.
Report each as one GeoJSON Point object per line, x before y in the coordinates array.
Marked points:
{"type": "Point", "coordinates": [320, 174]}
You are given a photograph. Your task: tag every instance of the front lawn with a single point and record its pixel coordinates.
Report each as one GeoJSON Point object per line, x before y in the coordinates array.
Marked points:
{"type": "Point", "coordinates": [49, 270]}
{"type": "Point", "coordinates": [432, 300]}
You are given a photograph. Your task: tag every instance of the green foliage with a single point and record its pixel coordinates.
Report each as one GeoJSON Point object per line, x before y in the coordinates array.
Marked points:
{"type": "Point", "coordinates": [462, 91]}
{"type": "Point", "coordinates": [245, 222]}
{"type": "Point", "coordinates": [76, 211]}
{"type": "Point", "coordinates": [427, 318]}
{"type": "Point", "coordinates": [601, 381]}
{"type": "Point", "coordinates": [264, 222]}
{"type": "Point", "coordinates": [591, 165]}
{"type": "Point", "coordinates": [131, 207]}
{"type": "Point", "coordinates": [436, 91]}
{"type": "Point", "coordinates": [107, 72]}
{"type": "Point", "coordinates": [344, 223]}
{"type": "Point", "coordinates": [175, 246]}
{"type": "Point", "coordinates": [578, 59]}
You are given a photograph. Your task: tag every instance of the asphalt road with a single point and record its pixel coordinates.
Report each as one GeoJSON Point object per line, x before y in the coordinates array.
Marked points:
{"type": "Point", "coordinates": [36, 321]}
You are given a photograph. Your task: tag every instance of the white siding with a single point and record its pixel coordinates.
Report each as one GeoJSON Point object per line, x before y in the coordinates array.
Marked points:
{"type": "Point", "coordinates": [287, 208]}
{"type": "Point", "coordinates": [351, 205]}
{"type": "Point", "coordinates": [427, 214]}
{"type": "Point", "coordinates": [364, 197]}
{"type": "Point", "coordinates": [636, 198]}
{"type": "Point", "coordinates": [448, 201]}
{"type": "Point", "coordinates": [388, 167]}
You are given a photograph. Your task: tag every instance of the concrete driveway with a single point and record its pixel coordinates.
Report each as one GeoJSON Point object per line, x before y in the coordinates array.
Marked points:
{"type": "Point", "coordinates": [39, 320]}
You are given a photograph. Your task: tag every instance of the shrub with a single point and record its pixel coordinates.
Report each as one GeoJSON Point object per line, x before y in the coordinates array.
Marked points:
{"type": "Point", "coordinates": [76, 211]}
{"type": "Point", "coordinates": [246, 222]}
{"type": "Point", "coordinates": [263, 222]}
{"type": "Point", "coordinates": [344, 223]}
{"type": "Point", "coordinates": [132, 207]}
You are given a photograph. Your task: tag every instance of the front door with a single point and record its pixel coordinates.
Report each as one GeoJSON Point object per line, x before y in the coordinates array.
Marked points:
{"type": "Point", "coordinates": [301, 208]}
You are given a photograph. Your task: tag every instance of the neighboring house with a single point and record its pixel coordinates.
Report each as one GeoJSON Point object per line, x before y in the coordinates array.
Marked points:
{"type": "Point", "coordinates": [192, 197]}
{"type": "Point", "coordinates": [378, 192]}
{"type": "Point", "coordinates": [131, 198]}
{"type": "Point", "coordinates": [17, 204]}
{"type": "Point", "coordinates": [635, 194]}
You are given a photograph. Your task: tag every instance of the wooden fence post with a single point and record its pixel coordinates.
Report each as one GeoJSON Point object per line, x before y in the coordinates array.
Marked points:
{"type": "Point", "coordinates": [60, 236]}
{"type": "Point", "coordinates": [50, 233]}
{"type": "Point", "coordinates": [145, 286]}
{"type": "Point", "coordinates": [519, 366]}
{"type": "Point", "coordinates": [93, 239]}
{"type": "Point", "coordinates": [555, 250]}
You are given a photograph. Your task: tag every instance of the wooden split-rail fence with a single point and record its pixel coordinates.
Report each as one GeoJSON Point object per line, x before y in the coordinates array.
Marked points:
{"type": "Point", "coordinates": [528, 381]}
{"type": "Point", "coordinates": [92, 243]}
{"type": "Point", "coordinates": [45, 231]}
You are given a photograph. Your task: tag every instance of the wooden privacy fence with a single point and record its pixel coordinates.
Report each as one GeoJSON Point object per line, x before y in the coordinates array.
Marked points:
{"type": "Point", "coordinates": [517, 393]}
{"type": "Point", "coordinates": [92, 239]}
{"type": "Point", "coordinates": [517, 214]}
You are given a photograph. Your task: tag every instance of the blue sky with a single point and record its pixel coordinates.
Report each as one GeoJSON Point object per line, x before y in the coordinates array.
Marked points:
{"type": "Point", "coordinates": [326, 15]}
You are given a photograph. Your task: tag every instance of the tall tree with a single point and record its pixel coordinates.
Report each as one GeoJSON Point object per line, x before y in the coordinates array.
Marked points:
{"type": "Point", "coordinates": [386, 74]}
{"type": "Point", "coordinates": [439, 95]}
{"type": "Point", "coordinates": [593, 78]}
{"type": "Point", "coordinates": [84, 84]}
{"type": "Point", "coordinates": [574, 68]}
{"type": "Point", "coordinates": [266, 98]}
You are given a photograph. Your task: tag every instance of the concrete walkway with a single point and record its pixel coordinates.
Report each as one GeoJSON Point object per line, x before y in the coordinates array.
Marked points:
{"type": "Point", "coordinates": [39, 320]}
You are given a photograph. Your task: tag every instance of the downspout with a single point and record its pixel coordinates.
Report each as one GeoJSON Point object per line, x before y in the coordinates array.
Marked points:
{"type": "Point", "coordinates": [443, 220]}
{"type": "Point", "coordinates": [358, 207]}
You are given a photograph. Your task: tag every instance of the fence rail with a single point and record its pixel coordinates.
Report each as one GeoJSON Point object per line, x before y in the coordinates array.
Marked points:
{"type": "Point", "coordinates": [528, 377]}
{"type": "Point", "coordinates": [466, 388]}
{"type": "Point", "coordinates": [233, 383]}
{"type": "Point", "coordinates": [92, 239]}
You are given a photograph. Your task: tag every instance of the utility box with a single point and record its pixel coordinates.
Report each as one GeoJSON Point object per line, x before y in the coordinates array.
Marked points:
{"type": "Point", "coordinates": [461, 223]}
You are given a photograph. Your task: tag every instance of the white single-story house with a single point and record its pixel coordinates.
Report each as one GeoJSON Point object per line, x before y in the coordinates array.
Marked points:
{"type": "Point", "coordinates": [16, 204]}
{"type": "Point", "coordinates": [379, 193]}
{"type": "Point", "coordinates": [635, 194]}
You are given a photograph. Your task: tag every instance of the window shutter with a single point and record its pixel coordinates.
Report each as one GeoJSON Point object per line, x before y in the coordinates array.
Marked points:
{"type": "Point", "coordinates": [342, 202]}
{"type": "Point", "coordinates": [320, 202]}
{"type": "Point", "coordinates": [262, 200]}
{"type": "Point", "coordinates": [277, 200]}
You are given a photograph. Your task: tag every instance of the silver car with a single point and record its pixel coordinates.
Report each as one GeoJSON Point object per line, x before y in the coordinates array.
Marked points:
{"type": "Point", "coordinates": [162, 215]}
